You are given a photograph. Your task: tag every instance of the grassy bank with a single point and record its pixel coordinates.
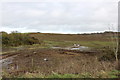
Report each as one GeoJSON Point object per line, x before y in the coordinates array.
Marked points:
{"type": "Point", "coordinates": [102, 74]}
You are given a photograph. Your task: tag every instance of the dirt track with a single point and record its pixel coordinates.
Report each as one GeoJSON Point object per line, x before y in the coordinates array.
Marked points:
{"type": "Point", "coordinates": [58, 61]}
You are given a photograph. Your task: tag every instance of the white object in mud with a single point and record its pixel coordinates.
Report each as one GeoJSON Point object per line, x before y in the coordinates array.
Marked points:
{"type": "Point", "coordinates": [76, 45]}
{"type": "Point", "coordinates": [45, 59]}
{"type": "Point", "coordinates": [34, 52]}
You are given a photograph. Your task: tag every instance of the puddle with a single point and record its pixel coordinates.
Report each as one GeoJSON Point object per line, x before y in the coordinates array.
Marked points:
{"type": "Point", "coordinates": [81, 48]}
{"type": "Point", "coordinates": [5, 62]}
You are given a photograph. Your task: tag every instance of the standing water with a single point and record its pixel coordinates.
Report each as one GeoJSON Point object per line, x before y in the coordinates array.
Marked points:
{"type": "Point", "coordinates": [81, 48]}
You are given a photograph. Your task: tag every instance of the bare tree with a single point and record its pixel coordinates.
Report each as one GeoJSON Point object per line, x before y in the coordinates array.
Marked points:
{"type": "Point", "coordinates": [115, 43]}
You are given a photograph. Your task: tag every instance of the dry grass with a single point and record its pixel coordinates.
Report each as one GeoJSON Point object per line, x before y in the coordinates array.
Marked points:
{"type": "Point", "coordinates": [30, 62]}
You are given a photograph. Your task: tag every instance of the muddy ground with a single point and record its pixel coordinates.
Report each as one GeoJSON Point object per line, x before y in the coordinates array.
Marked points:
{"type": "Point", "coordinates": [49, 61]}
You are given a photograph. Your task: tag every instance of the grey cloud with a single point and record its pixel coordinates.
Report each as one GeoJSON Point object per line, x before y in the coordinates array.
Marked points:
{"type": "Point", "coordinates": [60, 16]}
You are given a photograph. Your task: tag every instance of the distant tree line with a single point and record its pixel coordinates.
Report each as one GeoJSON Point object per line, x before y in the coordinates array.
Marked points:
{"type": "Point", "coordinates": [16, 39]}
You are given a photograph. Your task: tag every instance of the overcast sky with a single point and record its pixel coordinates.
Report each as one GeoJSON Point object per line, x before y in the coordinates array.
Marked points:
{"type": "Point", "coordinates": [59, 17]}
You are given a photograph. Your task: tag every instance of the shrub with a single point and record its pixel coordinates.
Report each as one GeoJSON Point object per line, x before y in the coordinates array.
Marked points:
{"type": "Point", "coordinates": [107, 55]}
{"type": "Point", "coordinates": [16, 39]}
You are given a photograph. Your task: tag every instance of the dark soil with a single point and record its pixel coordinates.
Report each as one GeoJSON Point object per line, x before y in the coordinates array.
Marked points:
{"type": "Point", "coordinates": [58, 61]}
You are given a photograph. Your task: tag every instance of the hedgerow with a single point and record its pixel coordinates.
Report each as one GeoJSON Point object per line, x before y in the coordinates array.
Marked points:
{"type": "Point", "coordinates": [17, 39]}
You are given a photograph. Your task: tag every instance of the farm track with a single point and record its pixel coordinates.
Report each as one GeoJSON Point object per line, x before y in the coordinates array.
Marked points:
{"type": "Point", "coordinates": [10, 54]}
{"type": "Point", "coordinates": [7, 55]}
